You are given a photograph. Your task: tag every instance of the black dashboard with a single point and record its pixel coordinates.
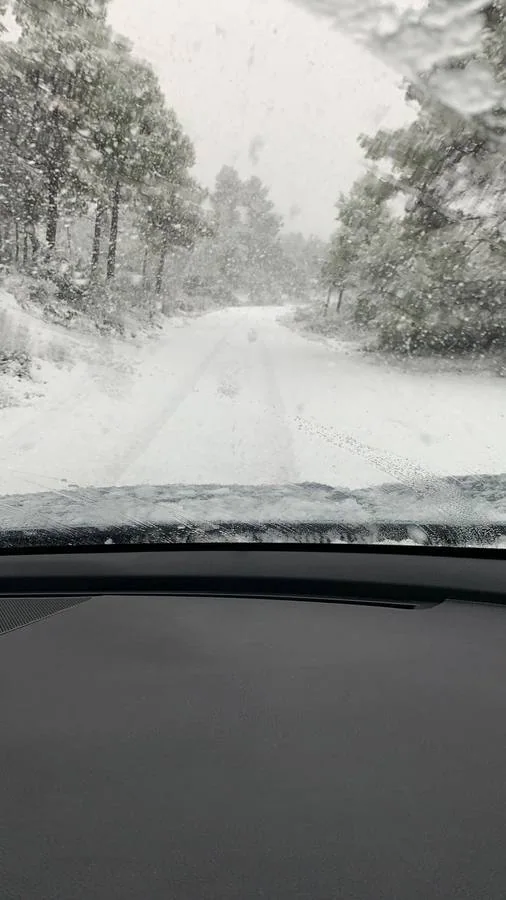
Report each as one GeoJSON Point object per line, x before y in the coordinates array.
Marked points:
{"type": "Point", "coordinates": [234, 723]}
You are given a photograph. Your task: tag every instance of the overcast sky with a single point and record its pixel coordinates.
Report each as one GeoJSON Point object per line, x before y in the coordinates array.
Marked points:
{"type": "Point", "coordinates": [270, 88]}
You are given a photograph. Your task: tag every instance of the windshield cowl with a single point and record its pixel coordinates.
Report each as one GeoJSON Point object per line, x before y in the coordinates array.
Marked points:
{"type": "Point", "coordinates": [449, 511]}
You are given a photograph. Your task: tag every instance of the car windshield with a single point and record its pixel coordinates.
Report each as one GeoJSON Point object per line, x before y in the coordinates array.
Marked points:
{"type": "Point", "coordinates": [252, 271]}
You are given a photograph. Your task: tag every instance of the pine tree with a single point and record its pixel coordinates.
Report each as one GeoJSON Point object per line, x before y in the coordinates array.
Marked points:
{"type": "Point", "coordinates": [138, 140]}
{"type": "Point", "coordinates": [58, 59]}
{"type": "Point", "coordinates": [434, 274]}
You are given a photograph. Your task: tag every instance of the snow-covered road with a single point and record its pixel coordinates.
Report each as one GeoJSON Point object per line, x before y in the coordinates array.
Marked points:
{"type": "Point", "coordinates": [236, 396]}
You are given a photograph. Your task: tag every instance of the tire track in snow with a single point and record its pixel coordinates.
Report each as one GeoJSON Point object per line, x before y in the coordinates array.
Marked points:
{"type": "Point", "coordinates": [398, 467]}
{"type": "Point", "coordinates": [117, 469]}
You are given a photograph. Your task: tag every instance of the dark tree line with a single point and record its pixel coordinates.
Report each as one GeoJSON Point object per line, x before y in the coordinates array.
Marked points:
{"type": "Point", "coordinates": [419, 253]}
{"type": "Point", "coordinates": [85, 126]}
{"type": "Point", "coordinates": [95, 170]}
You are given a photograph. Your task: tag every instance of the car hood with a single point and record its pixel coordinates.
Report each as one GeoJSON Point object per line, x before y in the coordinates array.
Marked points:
{"type": "Point", "coordinates": [463, 509]}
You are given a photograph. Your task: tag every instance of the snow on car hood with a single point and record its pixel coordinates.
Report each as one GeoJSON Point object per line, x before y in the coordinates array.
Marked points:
{"type": "Point", "coordinates": [467, 502]}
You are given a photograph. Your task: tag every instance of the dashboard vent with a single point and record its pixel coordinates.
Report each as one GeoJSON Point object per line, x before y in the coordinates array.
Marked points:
{"type": "Point", "coordinates": [16, 612]}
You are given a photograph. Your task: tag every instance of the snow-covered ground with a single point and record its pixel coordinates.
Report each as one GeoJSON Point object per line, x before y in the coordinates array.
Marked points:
{"type": "Point", "coordinates": [236, 396]}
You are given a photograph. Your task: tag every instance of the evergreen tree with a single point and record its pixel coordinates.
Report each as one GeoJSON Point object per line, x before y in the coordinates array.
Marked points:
{"type": "Point", "coordinates": [432, 277]}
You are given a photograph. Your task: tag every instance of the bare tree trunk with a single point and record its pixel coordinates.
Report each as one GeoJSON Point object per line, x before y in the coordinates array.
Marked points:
{"type": "Point", "coordinates": [97, 235]}
{"type": "Point", "coordinates": [7, 244]}
{"type": "Point", "coordinates": [145, 267]}
{"type": "Point", "coordinates": [113, 236]}
{"type": "Point", "coordinates": [52, 209]}
{"type": "Point", "coordinates": [17, 242]}
{"type": "Point", "coordinates": [33, 238]}
{"type": "Point", "coordinates": [339, 299]}
{"type": "Point", "coordinates": [161, 264]}
{"type": "Point", "coordinates": [25, 247]}
{"type": "Point", "coordinates": [327, 302]}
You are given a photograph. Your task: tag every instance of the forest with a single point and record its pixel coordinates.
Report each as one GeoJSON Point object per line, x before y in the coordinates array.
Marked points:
{"type": "Point", "coordinates": [418, 258]}
{"type": "Point", "coordinates": [103, 216]}
{"type": "Point", "coordinates": [101, 213]}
